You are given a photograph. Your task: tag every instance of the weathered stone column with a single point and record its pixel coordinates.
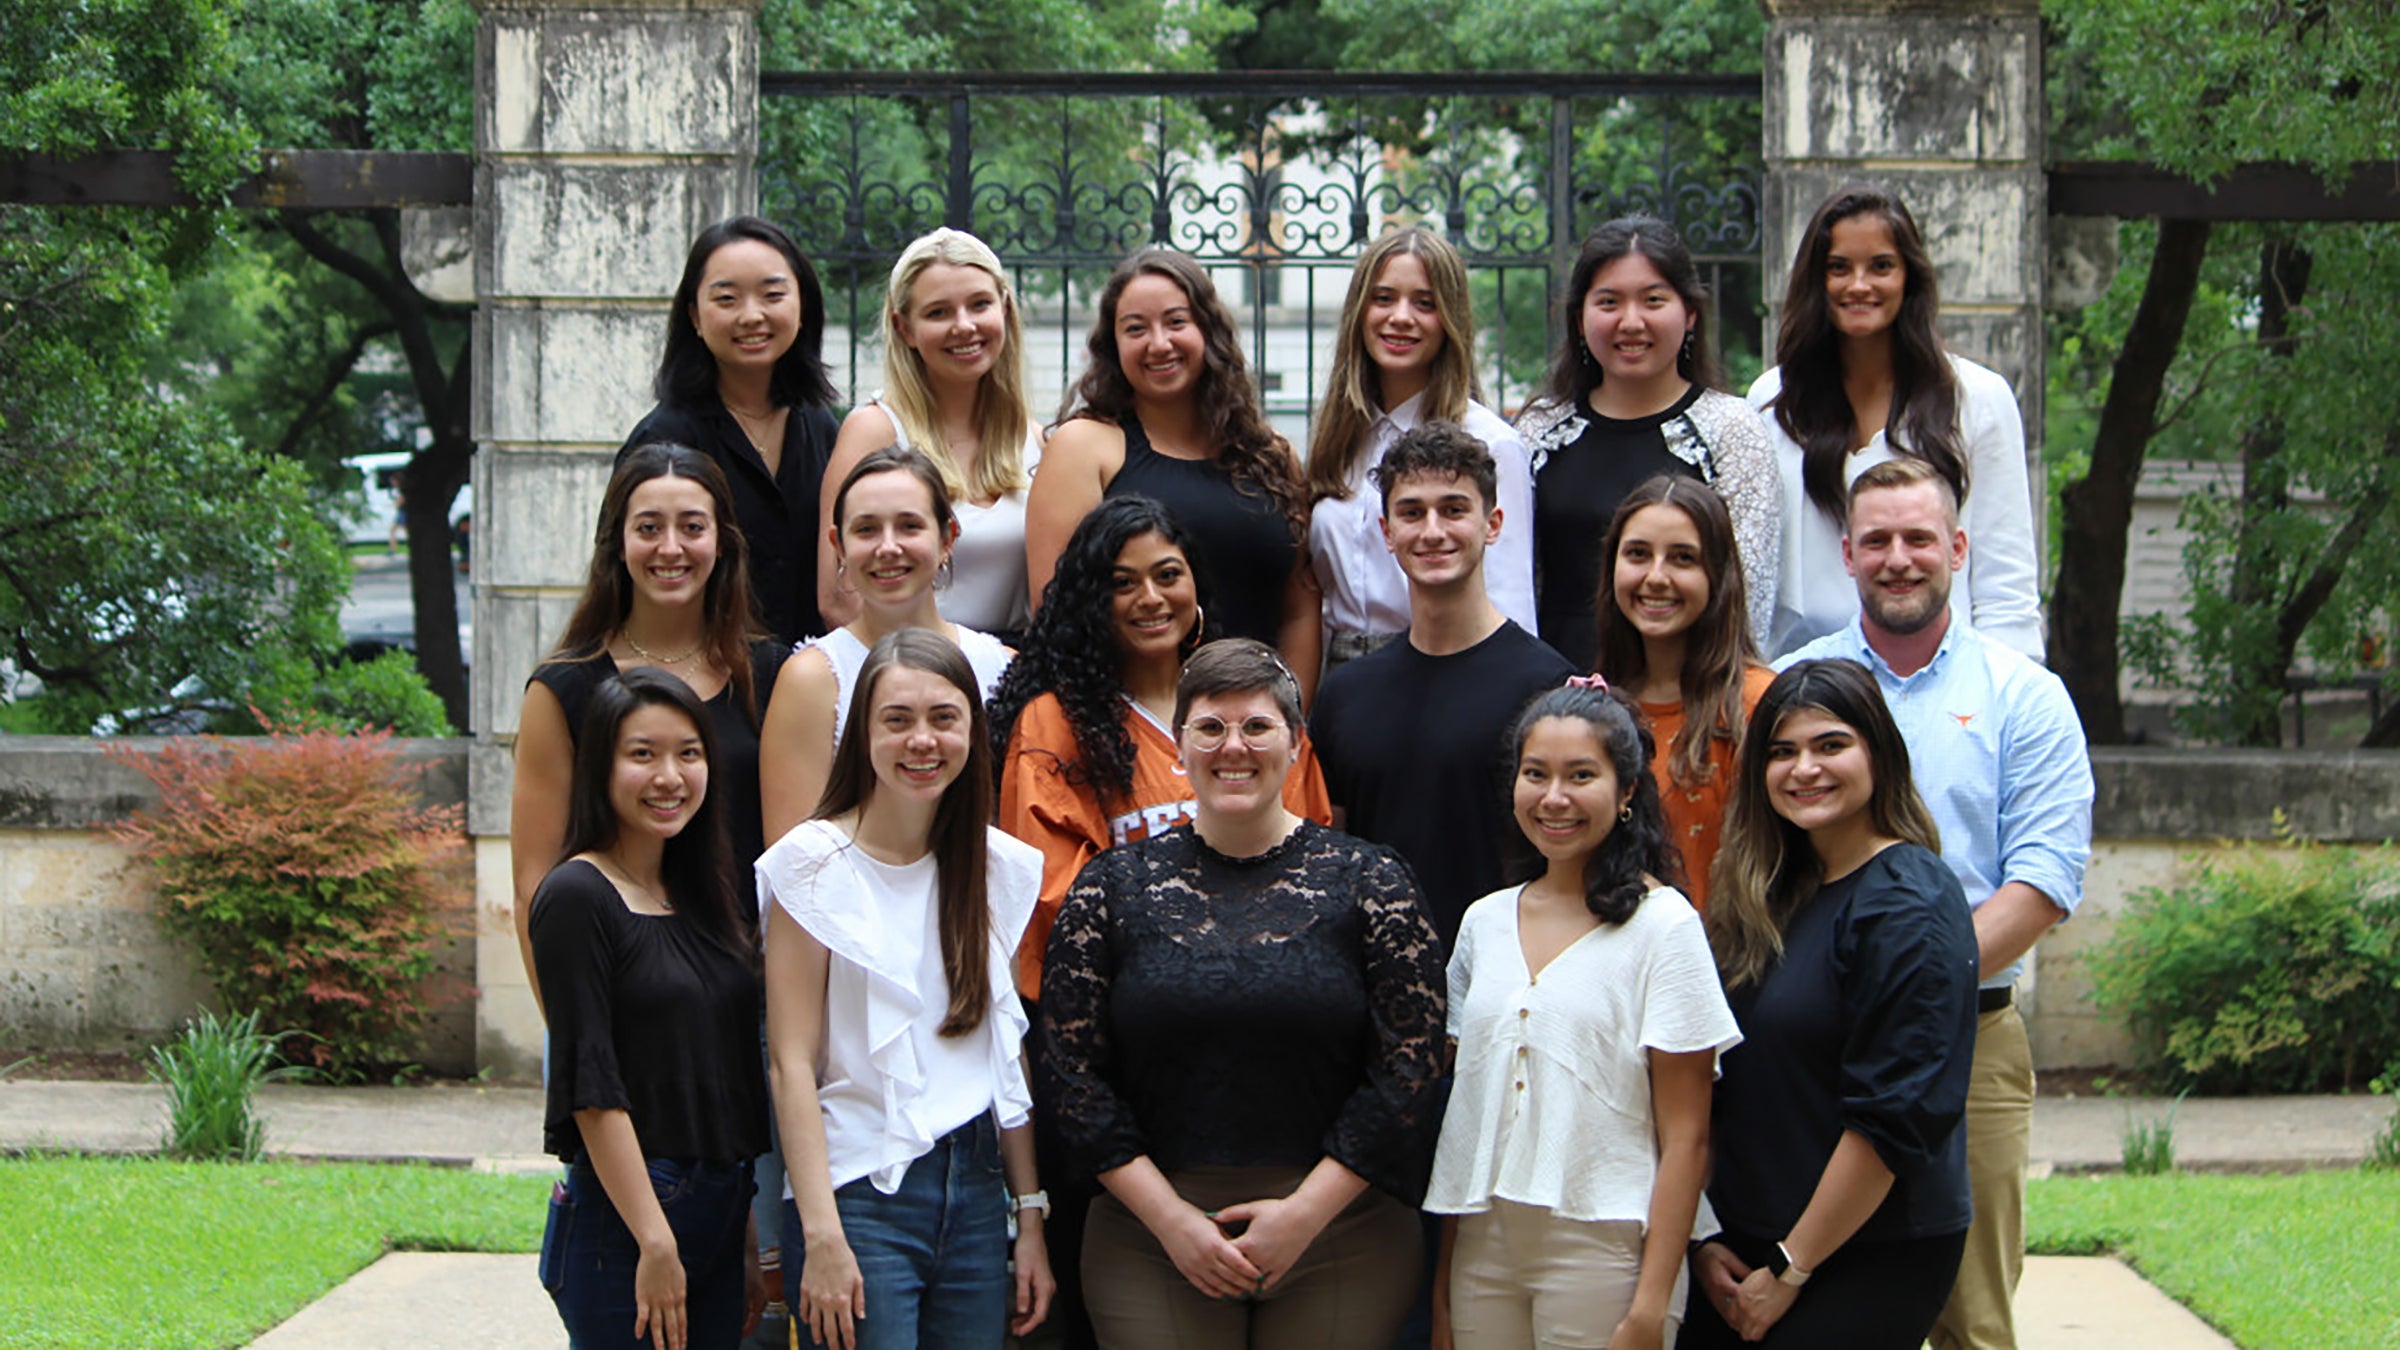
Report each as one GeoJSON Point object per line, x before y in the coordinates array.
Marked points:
{"type": "Point", "coordinates": [1940, 100]}
{"type": "Point", "coordinates": [607, 134]}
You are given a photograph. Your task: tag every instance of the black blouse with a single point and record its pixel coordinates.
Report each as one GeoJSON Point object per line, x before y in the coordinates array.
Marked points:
{"type": "Point", "coordinates": [1269, 1011]}
{"type": "Point", "coordinates": [649, 1017]}
{"type": "Point", "coordinates": [1242, 542]}
{"type": "Point", "coordinates": [735, 771]}
{"type": "Point", "coordinates": [777, 512]}
{"type": "Point", "coordinates": [1867, 1024]}
{"type": "Point", "coordinates": [1575, 494]}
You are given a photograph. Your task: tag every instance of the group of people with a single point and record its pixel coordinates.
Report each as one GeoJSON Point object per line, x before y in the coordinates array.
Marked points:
{"type": "Point", "coordinates": [1116, 877]}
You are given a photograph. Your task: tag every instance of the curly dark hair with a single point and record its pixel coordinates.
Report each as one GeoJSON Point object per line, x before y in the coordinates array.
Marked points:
{"type": "Point", "coordinates": [1072, 648]}
{"type": "Point", "coordinates": [1259, 459]}
{"type": "Point", "coordinates": [1638, 846]}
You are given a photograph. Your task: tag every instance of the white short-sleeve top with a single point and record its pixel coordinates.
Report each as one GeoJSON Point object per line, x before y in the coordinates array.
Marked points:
{"type": "Point", "coordinates": [888, 1083]}
{"type": "Point", "coordinates": [1551, 1106]}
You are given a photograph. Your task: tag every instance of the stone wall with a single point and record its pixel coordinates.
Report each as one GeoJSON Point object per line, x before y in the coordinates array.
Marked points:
{"type": "Point", "coordinates": [608, 133]}
{"type": "Point", "coordinates": [2158, 812]}
{"type": "Point", "coordinates": [85, 964]}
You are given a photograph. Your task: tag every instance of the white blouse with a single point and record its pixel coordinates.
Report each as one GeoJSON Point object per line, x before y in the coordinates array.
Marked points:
{"type": "Point", "coordinates": [1999, 589]}
{"type": "Point", "coordinates": [889, 1084]}
{"type": "Point", "coordinates": [986, 655]}
{"type": "Point", "coordinates": [987, 586]}
{"type": "Point", "coordinates": [1551, 1105]}
{"type": "Point", "coordinates": [1365, 590]}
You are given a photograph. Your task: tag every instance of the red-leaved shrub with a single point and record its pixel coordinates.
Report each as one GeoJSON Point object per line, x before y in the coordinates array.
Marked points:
{"type": "Point", "coordinates": [299, 867]}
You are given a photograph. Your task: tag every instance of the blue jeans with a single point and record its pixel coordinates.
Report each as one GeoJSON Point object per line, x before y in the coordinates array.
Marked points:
{"type": "Point", "coordinates": [589, 1255]}
{"type": "Point", "coordinates": [934, 1254]}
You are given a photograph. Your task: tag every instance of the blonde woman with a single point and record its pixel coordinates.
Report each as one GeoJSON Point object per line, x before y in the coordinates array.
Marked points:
{"type": "Point", "coordinates": [1405, 355]}
{"type": "Point", "coordinates": [954, 388]}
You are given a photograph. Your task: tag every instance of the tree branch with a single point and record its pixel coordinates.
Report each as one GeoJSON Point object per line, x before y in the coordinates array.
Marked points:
{"type": "Point", "coordinates": [335, 374]}
{"type": "Point", "coordinates": [2296, 613]}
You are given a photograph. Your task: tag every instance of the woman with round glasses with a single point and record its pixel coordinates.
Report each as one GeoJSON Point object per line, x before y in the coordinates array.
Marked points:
{"type": "Point", "coordinates": [1242, 1038]}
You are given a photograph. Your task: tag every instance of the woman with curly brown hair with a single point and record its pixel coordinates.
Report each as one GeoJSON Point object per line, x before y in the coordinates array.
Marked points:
{"type": "Point", "coordinates": [1165, 410]}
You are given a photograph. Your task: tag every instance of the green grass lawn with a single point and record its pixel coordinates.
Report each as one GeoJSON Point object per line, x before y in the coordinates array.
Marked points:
{"type": "Point", "coordinates": [141, 1253]}
{"type": "Point", "coordinates": [2300, 1262]}
{"type": "Point", "coordinates": [137, 1252]}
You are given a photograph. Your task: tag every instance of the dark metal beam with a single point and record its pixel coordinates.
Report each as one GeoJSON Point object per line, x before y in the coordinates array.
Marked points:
{"type": "Point", "coordinates": [2249, 192]}
{"type": "Point", "coordinates": [289, 180]}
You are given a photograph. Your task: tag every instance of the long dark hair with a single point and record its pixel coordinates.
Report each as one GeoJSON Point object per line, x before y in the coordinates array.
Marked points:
{"type": "Point", "coordinates": [607, 597]}
{"type": "Point", "coordinates": [1812, 407]}
{"type": "Point", "coordinates": [1259, 459]}
{"type": "Point", "coordinates": [1574, 371]}
{"type": "Point", "coordinates": [1073, 649]}
{"type": "Point", "coordinates": [1717, 651]}
{"type": "Point", "coordinates": [692, 864]}
{"type": "Point", "coordinates": [1767, 870]}
{"type": "Point", "coordinates": [687, 372]}
{"type": "Point", "coordinates": [961, 852]}
{"type": "Point", "coordinates": [1637, 846]}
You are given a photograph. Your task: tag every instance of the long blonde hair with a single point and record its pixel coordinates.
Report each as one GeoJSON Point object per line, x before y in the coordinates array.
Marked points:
{"type": "Point", "coordinates": [1353, 395]}
{"type": "Point", "coordinates": [1001, 416]}
{"type": "Point", "coordinates": [1767, 871]}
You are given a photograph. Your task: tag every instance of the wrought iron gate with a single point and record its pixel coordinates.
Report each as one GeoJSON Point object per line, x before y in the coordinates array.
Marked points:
{"type": "Point", "coordinates": [1273, 180]}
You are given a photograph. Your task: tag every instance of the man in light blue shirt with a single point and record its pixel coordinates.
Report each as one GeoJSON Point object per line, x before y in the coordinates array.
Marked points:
{"type": "Point", "coordinates": [1999, 757]}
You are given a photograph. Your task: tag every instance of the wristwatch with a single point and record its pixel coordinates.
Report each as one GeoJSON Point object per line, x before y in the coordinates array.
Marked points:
{"type": "Point", "coordinates": [1786, 1270]}
{"type": "Point", "coordinates": [1040, 1200]}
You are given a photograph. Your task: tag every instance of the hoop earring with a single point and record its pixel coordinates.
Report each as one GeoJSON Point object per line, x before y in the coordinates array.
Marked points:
{"type": "Point", "coordinates": [1192, 639]}
{"type": "Point", "coordinates": [1625, 813]}
{"type": "Point", "coordinates": [943, 576]}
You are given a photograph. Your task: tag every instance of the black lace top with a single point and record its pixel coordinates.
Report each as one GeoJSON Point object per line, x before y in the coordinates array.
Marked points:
{"type": "Point", "coordinates": [1268, 1011]}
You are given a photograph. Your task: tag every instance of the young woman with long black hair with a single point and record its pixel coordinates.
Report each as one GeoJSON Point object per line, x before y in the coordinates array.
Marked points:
{"type": "Point", "coordinates": [1861, 376]}
{"type": "Point", "coordinates": [1632, 394]}
{"type": "Point", "coordinates": [655, 1097]}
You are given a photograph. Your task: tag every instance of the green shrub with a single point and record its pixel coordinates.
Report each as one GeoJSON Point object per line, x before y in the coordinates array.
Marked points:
{"type": "Point", "coordinates": [2277, 969]}
{"type": "Point", "coordinates": [212, 1072]}
{"type": "Point", "coordinates": [387, 693]}
{"type": "Point", "coordinates": [2383, 1148]}
{"type": "Point", "coordinates": [299, 868]}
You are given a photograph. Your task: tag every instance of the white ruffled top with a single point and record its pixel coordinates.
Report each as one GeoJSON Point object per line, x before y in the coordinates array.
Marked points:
{"type": "Point", "coordinates": [888, 1083]}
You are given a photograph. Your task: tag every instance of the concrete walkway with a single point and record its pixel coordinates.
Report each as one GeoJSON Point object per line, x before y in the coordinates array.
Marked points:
{"type": "Point", "coordinates": [428, 1301]}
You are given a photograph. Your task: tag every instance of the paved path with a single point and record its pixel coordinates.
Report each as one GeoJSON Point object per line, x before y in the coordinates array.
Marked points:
{"type": "Point", "coordinates": [428, 1301]}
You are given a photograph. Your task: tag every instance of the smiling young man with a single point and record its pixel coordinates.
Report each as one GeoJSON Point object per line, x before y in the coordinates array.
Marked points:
{"type": "Point", "coordinates": [1999, 757]}
{"type": "Point", "coordinates": [1410, 735]}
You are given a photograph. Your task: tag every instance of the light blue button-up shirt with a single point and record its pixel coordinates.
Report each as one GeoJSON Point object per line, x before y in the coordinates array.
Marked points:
{"type": "Point", "coordinates": [1999, 757]}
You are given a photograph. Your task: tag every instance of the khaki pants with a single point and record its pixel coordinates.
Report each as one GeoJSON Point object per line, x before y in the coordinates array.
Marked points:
{"type": "Point", "coordinates": [1521, 1276]}
{"type": "Point", "coordinates": [1981, 1312]}
{"type": "Point", "coordinates": [1349, 1291]}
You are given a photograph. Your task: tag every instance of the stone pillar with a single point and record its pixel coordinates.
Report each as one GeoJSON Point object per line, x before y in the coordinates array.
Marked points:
{"type": "Point", "coordinates": [607, 134]}
{"type": "Point", "coordinates": [1940, 100]}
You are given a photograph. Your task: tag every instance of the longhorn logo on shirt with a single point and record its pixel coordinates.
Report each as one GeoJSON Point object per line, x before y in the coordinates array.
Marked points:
{"type": "Point", "coordinates": [1150, 821]}
{"type": "Point", "coordinates": [1963, 719]}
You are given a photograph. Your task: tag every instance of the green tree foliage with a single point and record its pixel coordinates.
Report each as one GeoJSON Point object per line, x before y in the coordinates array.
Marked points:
{"type": "Point", "coordinates": [148, 560]}
{"type": "Point", "coordinates": [2263, 345]}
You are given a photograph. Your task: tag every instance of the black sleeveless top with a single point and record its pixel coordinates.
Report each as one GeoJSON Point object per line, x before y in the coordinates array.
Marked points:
{"type": "Point", "coordinates": [1244, 546]}
{"type": "Point", "coordinates": [735, 773]}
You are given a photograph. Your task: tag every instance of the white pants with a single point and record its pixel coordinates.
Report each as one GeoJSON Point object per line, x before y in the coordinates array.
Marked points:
{"type": "Point", "coordinates": [1521, 1276]}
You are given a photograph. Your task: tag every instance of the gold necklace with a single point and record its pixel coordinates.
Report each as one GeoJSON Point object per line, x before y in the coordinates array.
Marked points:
{"type": "Point", "coordinates": [653, 657]}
